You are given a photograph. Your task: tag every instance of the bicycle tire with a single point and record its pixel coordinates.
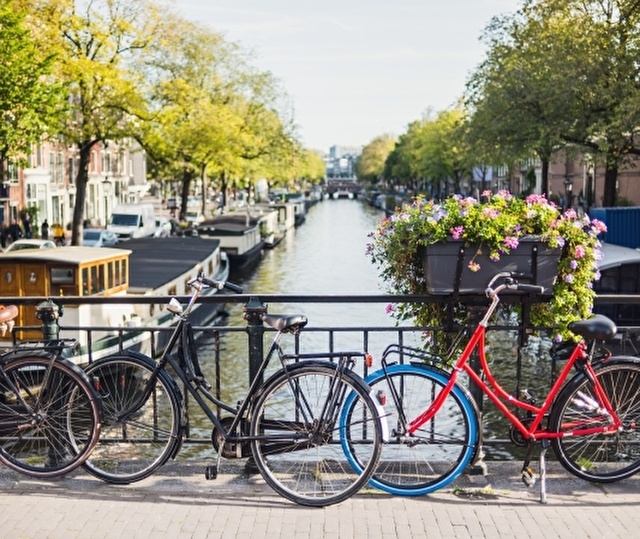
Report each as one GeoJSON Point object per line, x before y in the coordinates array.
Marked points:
{"type": "Point", "coordinates": [52, 426]}
{"type": "Point", "coordinates": [132, 448]}
{"type": "Point", "coordinates": [601, 458]}
{"type": "Point", "coordinates": [313, 471]}
{"type": "Point", "coordinates": [438, 452]}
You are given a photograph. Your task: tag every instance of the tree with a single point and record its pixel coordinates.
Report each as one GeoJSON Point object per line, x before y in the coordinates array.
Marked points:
{"type": "Point", "coordinates": [31, 103]}
{"type": "Point", "coordinates": [370, 166]}
{"type": "Point", "coordinates": [215, 114]}
{"type": "Point", "coordinates": [561, 74]}
{"type": "Point", "coordinates": [98, 45]}
{"type": "Point", "coordinates": [520, 97]}
{"type": "Point", "coordinates": [443, 155]}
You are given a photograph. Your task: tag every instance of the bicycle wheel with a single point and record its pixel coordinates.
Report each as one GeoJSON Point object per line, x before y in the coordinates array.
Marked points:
{"type": "Point", "coordinates": [440, 450]}
{"type": "Point", "coordinates": [602, 458]}
{"type": "Point", "coordinates": [49, 416]}
{"type": "Point", "coordinates": [301, 455]}
{"type": "Point", "coordinates": [134, 441]}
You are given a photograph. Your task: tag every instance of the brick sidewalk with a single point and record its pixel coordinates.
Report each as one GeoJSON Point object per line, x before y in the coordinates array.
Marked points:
{"type": "Point", "coordinates": [177, 502]}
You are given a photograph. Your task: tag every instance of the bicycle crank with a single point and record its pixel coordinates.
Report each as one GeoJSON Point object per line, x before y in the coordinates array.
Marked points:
{"type": "Point", "coordinates": [229, 450]}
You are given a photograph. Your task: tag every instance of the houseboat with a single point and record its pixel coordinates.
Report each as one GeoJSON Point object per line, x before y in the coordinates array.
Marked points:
{"type": "Point", "coordinates": [239, 237]}
{"type": "Point", "coordinates": [272, 227]}
{"type": "Point", "coordinates": [619, 274]}
{"type": "Point", "coordinates": [148, 266]}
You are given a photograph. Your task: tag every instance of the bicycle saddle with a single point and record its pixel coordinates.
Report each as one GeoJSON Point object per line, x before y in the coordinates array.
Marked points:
{"type": "Point", "coordinates": [597, 327]}
{"type": "Point", "coordinates": [284, 322]}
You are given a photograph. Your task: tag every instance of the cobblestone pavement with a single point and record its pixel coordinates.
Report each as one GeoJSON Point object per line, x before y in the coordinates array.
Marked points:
{"type": "Point", "coordinates": [178, 503]}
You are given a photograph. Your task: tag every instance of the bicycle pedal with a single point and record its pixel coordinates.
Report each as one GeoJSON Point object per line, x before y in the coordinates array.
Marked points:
{"type": "Point", "coordinates": [211, 472]}
{"type": "Point", "coordinates": [528, 477]}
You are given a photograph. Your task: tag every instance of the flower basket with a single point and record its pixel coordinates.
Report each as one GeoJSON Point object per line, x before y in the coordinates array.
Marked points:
{"type": "Point", "coordinates": [447, 266]}
{"type": "Point", "coordinates": [456, 245]}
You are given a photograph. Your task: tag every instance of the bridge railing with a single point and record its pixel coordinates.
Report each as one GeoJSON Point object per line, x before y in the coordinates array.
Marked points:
{"type": "Point", "coordinates": [239, 347]}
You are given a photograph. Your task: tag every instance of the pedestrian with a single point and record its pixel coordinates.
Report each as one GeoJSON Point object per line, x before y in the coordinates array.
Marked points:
{"type": "Point", "coordinates": [15, 232]}
{"type": "Point", "coordinates": [44, 230]}
{"type": "Point", "coordinates": [4, 233]}
{"type": "Point", "coordinates": [26, 226]}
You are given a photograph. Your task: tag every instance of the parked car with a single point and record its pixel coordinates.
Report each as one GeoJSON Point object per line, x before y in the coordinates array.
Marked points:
{"type": "Point", "coordinates": [163, 228]}
{"type": "Point", "coordinates": [193, 217]}
{"type": "Point", "coordinates": [99, 237]}
{"type": "Point", "coordinates": [22, 244]}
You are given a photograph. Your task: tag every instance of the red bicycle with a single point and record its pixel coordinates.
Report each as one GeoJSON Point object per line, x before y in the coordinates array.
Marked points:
{"type": "Point", "coordinates": [591, 418]}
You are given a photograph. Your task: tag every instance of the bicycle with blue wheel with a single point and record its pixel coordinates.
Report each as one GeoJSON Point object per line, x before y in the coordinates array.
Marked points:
{"type": "Point", "coordinates": [590, 416]}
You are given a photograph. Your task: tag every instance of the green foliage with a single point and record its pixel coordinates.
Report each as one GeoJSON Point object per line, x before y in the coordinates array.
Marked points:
{"type": "Point", "coordinates": [370, 166]}
{"type": "Point", "coordinates": [499, 224]}
{"type": "Point", "coordinates": [30, 101]}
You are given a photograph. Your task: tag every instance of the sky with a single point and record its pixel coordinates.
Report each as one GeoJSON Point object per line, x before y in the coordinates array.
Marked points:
{"type": "Point", "coordinates": [357, 69]}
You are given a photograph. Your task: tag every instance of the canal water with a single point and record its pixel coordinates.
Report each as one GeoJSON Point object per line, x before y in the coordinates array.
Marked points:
{"type": "Point", "coordinates": [326, 256]}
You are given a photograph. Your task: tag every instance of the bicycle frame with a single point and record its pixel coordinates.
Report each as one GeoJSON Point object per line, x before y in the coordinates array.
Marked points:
{"type": "Point", "coordinates": [500, 398]}
{"type": "Point", "coordinates": [199, 390]}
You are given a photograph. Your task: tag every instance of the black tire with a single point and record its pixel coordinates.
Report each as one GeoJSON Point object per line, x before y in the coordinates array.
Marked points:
{"type": "Point", "coordinates": [601, 458]}
{"type": "Point", "coordinates": [300, 463]}
{"type": "Point", "coordinates": [133, 446]}
{"type": "Point", "coordinates": [54, 423]}
{"type": "Point", "coordinates": [439, 451]}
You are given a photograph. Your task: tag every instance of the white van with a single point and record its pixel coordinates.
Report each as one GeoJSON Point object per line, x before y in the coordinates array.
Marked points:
{"type": "Point", "coordinates": [133, 221]}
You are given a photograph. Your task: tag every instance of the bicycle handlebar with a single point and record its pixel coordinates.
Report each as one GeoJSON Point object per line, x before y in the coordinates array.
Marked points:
{"type": "Point", "coordinates": [511, 283]}
{"type": "Point", "coordinates": [219, 284]}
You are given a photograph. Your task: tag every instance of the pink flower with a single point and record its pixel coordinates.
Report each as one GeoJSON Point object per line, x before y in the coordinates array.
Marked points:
{"type": "Point", "coordinates": [389, 308]}
{"type": "Point", "coordinates": [490, 213]}
{"type": "Point", "coordinates": [511, 242]}
{"type": "Point", "coordinates": [474, 266]}
{"type": "Point", "coordinates": [580, 251]}
{"type": "Point", "coordinates": [457, 232]}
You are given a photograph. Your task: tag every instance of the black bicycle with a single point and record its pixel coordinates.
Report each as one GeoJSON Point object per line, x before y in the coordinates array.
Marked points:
{"type": "Point", "coordinates": [289, 424]}
{"type": "Point", "coordinates": [50, 415]}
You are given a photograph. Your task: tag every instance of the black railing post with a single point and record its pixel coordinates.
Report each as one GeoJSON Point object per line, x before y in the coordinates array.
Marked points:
{"type": "Point", "coordinates": [48, 312]}
{"type": "Point", "coordinates": [254, 310]}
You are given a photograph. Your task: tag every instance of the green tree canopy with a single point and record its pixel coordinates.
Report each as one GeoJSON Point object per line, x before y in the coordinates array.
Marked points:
{"type": "Point", "coordinates": [31, 101]}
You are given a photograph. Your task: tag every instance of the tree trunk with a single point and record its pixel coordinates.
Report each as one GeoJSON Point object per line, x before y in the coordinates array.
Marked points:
{"type": "Point", "coordinates": [187, 177]}
{"type": "Point", "coordinates": [544, 180]}
{"type": "Point", "coordinates": [610, 181]}
{"type": "Point", "coordinates": [81, 193]}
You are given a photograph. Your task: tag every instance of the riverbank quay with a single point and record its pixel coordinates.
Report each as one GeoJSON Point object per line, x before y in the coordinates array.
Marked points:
{"type": "Point", "coordinates": [178, 503]}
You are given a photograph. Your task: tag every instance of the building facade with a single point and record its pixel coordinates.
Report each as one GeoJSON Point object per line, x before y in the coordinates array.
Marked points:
{"type": "Point", "coordinates": [117, 174]}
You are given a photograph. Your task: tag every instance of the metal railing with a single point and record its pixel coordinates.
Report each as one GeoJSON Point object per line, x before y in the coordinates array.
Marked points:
{"type": "Point", "coordinates": [368, 337]}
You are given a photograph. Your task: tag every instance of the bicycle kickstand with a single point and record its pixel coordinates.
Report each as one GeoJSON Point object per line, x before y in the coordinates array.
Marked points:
{"type": "Point", "coordinates": [543, 470]}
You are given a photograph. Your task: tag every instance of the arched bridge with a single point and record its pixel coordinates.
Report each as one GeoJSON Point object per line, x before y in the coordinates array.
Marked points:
{"type": "Point", "coordinates": [342, 187]}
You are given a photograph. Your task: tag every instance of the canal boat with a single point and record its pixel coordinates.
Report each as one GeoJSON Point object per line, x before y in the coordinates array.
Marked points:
{"type": "Point", "coordinates": [619, 274]}
{"type": "Point", "coordinates": [271, 218]}
{"type": "Point", "coordinates": [148, 266]}
{"type": "Point", "coordinates": [239, 236]}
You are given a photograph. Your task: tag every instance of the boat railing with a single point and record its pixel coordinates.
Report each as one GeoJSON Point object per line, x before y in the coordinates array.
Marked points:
{"type": "Point", "coordinates": [249, 335]}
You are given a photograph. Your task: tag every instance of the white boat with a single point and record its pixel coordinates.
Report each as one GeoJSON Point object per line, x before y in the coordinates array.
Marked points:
{"type": "Point", "coordinates": [269, 219]}
{"type": "Point", "coordinates": [239, 237]}
{"type": "Point", "coordinates": [619, 274]}
{"type": "Point", "coordinates": [148, 266]}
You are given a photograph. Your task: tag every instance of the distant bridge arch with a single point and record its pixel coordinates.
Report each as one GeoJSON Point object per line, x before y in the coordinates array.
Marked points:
{"type": "Point", "coordinates": [342, 187]}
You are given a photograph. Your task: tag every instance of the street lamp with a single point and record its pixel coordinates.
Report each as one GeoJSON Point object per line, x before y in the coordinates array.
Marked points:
{"type": "Point", "coordinates": [106, 187]}
{"type": "Point", "coordinates": [568, 191]}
